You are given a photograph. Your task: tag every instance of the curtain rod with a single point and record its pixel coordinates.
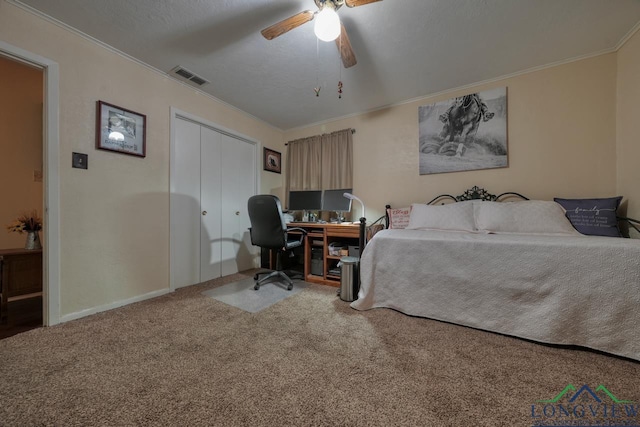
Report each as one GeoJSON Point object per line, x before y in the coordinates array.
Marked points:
{"type": "Point", "coordinates": [352, 132]}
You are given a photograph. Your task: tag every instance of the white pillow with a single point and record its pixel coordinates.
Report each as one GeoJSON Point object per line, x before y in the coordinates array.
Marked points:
{"type": "Point", "coordinates": [398, 217]}
{"type": "Point", "coordinates": [526, 217]}
{"type": "Point", "coordinates": [453, 216]}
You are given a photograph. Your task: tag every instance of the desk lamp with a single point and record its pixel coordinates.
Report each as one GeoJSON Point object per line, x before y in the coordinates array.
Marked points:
{"type": "Point", "coordinates": [363, 222]}
{"type": "Point", "coordinates": [352, 197]}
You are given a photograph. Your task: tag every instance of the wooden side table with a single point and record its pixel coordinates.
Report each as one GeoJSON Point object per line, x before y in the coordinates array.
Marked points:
{"type": "Point", "coordinates": [20, 276]}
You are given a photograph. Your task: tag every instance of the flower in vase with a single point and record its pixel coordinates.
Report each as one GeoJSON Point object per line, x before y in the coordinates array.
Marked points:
{"type": "Point", "coordinates": [25, 223]}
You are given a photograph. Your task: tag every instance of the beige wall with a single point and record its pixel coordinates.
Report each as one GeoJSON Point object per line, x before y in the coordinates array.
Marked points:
{"type": "Point", "coordinates": [628, 115]}
{"type": "Point", "coordinates": [114, 217]}
{"type": "Point", "coordinates": [20, 146]}
{"type": "Point", "coordinates": [561, 140]}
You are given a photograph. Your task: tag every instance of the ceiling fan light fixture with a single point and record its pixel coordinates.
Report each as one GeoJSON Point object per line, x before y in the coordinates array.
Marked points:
{"type": "Point", "coordinates": [327, 24]}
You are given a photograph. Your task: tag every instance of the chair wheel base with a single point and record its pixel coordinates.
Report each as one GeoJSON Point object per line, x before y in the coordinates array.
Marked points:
{"type": "Point", "coordinates": [284, 275]}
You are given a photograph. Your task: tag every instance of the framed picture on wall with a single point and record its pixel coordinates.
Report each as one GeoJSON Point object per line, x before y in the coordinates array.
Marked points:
{"type": "Point", "coordinates": [120, 130]}
{"type": "Point", "coordinates": [272, 161]}
{"type": "Point", "coordinates": [465, 133]}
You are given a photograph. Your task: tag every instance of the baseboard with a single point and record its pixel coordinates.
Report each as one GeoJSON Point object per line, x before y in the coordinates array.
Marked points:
{"type": "Point", "coordinates": [111, 306]}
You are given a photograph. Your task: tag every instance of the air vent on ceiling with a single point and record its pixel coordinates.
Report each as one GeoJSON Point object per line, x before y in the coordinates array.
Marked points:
{"type": "Point", "coordinates": [189, 77]}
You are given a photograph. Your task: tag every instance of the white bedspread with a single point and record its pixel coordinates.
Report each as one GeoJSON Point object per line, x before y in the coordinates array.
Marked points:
{"type": "Point", "coordinates": [560, 290]}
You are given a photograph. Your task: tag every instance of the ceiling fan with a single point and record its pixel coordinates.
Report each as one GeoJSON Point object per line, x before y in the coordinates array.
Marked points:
{"type": "Point", "coordinates": [334, 30]}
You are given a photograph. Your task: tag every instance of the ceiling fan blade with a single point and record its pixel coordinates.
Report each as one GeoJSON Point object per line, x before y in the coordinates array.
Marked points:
{"type": "Point", "coordinates": [344, 46]}
{"type": "Point", "coordinates": [354, 3]}
{"type": "Point", "coordinates": [288, 24]}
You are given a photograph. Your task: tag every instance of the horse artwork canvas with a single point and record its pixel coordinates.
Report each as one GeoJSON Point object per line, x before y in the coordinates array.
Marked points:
{"type": "Point", "coordinates": [465, 133]}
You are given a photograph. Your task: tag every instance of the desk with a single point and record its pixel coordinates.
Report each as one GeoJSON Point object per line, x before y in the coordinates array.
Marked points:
{"type": "Point", "coordinates": [20, 276]}
{"type": "Point", "coordinates": [319, 237]}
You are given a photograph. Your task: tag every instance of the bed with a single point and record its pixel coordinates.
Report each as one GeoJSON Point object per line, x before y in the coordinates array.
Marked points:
{"type": "Point", "coordinates": [504, 267]}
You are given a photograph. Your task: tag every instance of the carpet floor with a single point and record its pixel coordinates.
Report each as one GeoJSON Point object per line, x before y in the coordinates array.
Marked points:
{"type": "Point", "coordinates": [185, 359]}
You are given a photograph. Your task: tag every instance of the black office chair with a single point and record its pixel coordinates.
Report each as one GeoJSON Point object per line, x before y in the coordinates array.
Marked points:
{"type": "Point", "coordinates": [269, 231]}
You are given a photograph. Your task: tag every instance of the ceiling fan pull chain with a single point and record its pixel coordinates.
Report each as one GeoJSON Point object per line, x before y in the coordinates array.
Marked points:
{"type": "Point", "coordinates": [340, 73]}
{"type": "Point", "coordinates": [317, 88]}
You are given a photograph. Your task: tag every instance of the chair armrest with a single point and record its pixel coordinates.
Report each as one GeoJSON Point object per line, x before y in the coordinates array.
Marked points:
{"type": "Point", "coordinates": [302, 230]}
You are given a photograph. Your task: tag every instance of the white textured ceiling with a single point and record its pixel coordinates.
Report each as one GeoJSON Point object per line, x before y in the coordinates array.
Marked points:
{"type": "Point", "coordinates": [405, 48]}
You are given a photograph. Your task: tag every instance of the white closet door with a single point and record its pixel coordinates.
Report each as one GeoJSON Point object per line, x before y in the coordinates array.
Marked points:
{"type": "Point", "coordinates": [238, 184]}
{"type": "Point", "coordinates": [212, 178]}
{"type": "Point", "coordinates": [185, 205]}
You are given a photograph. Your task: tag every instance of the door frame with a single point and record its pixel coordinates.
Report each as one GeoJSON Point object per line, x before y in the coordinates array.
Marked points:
{"type": "Point", "coordinates": [51, 190]}
{"type": "Point", "coordinates": [180, 114]}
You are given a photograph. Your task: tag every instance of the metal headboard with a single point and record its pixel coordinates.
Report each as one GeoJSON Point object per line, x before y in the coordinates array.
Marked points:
{"type": "Point", "coordinates": [633, 223]}
{"type": "Point", "coordinates": [477, 193]}
{"type": "Point", "coordinates": [474, 193]}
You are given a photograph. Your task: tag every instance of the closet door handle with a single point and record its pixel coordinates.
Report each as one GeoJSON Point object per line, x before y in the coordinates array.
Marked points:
{"type": "Point", "coordinates": [237, 212]}
{"type": "Point", "coordinates": [204, 213]}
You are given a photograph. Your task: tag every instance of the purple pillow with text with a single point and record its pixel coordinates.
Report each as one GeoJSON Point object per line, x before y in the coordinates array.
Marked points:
{"type": "Point", "coordinates": [594, 217]}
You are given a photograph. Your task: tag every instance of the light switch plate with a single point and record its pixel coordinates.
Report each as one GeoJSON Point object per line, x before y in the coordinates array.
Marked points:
{"type": "Point", "coordinates": [80, 161]}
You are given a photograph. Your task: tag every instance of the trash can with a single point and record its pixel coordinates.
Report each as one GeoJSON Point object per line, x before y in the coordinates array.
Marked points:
{"type": "Point", "coordinates": [349, 283]}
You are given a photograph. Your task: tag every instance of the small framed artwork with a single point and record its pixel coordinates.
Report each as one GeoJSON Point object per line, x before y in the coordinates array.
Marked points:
{"type": "Point", "coordinates": [272, 161]}
{"type": "Point", "coordinates": [120, 130]}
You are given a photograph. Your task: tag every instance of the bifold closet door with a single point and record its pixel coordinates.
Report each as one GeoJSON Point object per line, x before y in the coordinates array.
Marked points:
{"type": "Point", "coordinates": [211, 179]}
{"type": "Point", "coordinates": [185, 205]}
{"type": "Point", "coordinates": [215, 174]}
{"type": "Point", "coordinates": [239, 182]}
{"type": "Point", "coordinates": [225, 242]}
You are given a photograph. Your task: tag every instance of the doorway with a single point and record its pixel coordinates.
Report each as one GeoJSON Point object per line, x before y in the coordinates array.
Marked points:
{"type": "Point", "coordinates": [21, 165]}
{"type": "Point", "coordinates": [49, 159]}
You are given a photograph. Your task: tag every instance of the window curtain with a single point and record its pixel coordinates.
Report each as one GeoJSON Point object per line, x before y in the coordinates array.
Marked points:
{"type": "Point", "coordinates": [321, 162]}
{"type": "Point", "coordinates": [304, 164]}
{"type": "Point", "coordinates": [337, 160]}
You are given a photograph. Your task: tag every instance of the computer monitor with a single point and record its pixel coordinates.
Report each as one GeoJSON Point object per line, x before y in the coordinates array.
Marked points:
{"type": "Point", "coordinates": [309, 200]}
{"type": "Point", "coordinates": [334, 200]}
